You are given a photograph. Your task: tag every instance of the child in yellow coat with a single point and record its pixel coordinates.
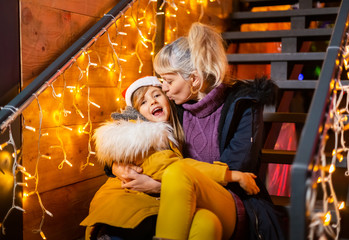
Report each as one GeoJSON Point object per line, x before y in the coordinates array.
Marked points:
{"type": "Point", "coordinates": [143, 136]}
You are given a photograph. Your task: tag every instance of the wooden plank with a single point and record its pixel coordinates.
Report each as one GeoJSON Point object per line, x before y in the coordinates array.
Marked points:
{"type": "Point", "coordinates": [50, 176]}
{"type": "Point", "coordinates": [45, 33]}
{"type": "Point", "coordinates": [53, 108]}
{"type": "Point", "coordinates": [82, 7]}
{"type": "Point", "coordinates": [69, 206]}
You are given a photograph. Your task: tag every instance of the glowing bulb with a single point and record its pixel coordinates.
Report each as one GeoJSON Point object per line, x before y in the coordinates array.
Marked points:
{"type": "Point", "coordinates": [2, 146]}
{"type": "Point", "coordinates": [68, 128]}
{"type": "Point", "coordinates": [319, 180]}
{"type": "Point", "coordinates": [48, 213]}
{"type": "Point", "coordinates": [80, 113]}
{"type": "Point", "coordinates": [327, 218]}
{"type": "Point", "coordinates": [30, 128]}
{"type": "Point", "coordinates": [42, 235]}
{"type": "Point", "coordinates": [95, 104]}
{"type": "Point", "coordinates": [117, 99]}
{"type": "Point", "coordinates": [341, 205]}
{"type": "Point", "coordinates": [332, 168]}
{"type": "Point", "coordinates": [81, 130]}
{"type": "Point", "coordinates": [46, 156]}
{"type": "Point", "coordinates": [330, 199]}
{"type": "Point", "coordinates": [145, 45]}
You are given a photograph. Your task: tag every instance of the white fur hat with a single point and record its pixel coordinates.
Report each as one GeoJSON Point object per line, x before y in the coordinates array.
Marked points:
{"type": "Point", "coordinates": [142, 82]}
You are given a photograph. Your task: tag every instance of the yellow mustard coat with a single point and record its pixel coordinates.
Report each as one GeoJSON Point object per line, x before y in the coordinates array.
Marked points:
{"type": "Point", "coordinates": [119, 207]}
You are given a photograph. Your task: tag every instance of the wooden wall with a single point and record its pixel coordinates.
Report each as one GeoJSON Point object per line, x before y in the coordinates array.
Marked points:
{"type": "Point", "coordinates": [47, 29]}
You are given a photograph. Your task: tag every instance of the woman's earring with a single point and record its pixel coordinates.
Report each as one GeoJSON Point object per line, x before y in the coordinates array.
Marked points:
{"type": "Point", "coordinates": [192, 91]}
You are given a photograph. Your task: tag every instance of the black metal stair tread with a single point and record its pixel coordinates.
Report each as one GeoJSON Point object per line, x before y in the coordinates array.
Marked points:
{"type": "Point", "coordinates": [296, 84]}
{"type": "Point", "coordinates": [252, 58]}
{"type": "Point", "coordinates": [263, 36]}
{"type": "Point", "coordinates": [256, 3]}
{"type": "Point", "coordinates": [281, 16]}
{"type": "Point", "coordinates": [287, 117]}
{"type": "Point", "coordinates": [277, 156]}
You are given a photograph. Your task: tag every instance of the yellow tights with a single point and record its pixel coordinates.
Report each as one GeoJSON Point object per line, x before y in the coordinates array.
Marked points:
{"type": "Point", "coordinates": [193, 206]}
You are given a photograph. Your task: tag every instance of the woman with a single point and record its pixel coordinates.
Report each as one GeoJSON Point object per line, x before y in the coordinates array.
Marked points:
{"type": "Point", "coordinates": [148, 134]}
{"type": "Point", "coordinates": [222, 120]}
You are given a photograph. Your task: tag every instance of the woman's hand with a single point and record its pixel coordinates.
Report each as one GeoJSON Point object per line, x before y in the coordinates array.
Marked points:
{"type": "Point", "coordinates": [245, 180]}
{"type": "Point", "coordinates": [133, 179]}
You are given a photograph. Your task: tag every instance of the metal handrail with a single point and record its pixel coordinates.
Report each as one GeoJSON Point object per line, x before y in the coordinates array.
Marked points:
{"type": "Point", "coordinates": [310, 136]}
{"type": "Point", "coordinates": [16, 106]}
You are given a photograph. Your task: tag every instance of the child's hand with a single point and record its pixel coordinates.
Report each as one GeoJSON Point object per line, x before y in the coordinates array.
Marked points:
{"type": "Point", "coordinates": [246, 181]}
{"type": "Point", "coordinates": [123, 172]}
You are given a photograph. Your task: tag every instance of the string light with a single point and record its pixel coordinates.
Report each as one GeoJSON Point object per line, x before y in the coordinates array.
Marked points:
{"type": "Point", "coordinates": [336, 121]}
{"type": "Point", "coordinates": [141, 23]}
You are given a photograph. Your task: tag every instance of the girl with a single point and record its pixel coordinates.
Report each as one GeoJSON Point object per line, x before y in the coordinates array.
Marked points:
{"type": "Point", "coordinates": [151, 140]}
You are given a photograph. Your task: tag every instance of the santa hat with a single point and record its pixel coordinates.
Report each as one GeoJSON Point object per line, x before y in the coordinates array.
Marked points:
{"type": "Point", "coordinates": [142, 82]}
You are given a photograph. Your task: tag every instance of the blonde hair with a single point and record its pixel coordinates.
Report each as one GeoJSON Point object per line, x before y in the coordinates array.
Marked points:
{"type": "Point", "coordinates": [174, 121]}
{"type": "Point", "coordinates": [201, 51]}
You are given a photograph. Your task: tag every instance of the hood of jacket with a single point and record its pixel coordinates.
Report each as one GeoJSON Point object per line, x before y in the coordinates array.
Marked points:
{"type": "Point", "coordinates": [130, 138]}
{"type": "Point", "coordinates": [262, 90]}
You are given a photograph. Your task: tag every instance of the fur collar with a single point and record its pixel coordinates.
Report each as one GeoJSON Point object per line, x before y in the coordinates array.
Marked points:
{"type": "Point", "coordinates": [130, 139]}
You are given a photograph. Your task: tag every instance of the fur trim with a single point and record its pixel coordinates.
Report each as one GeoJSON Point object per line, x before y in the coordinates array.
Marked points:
{"type": "Point", "coordinates": [130, 141]}
{"type": "Point", "coordinates": [129, 113]}
{"type": "Point", "coordinates": [262, 89]}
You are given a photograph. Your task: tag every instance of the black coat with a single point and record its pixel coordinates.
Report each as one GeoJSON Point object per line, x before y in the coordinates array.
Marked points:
{"type": "Point", "coordinates": [240, 141]}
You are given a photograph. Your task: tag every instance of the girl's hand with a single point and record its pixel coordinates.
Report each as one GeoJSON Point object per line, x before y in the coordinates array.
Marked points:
{"type": "Point", "coordinates": [132, 179]}
{"type": "Point", "coordinates": [142, 183]}
{"type": "Point", "coordinates": [246, 181]}
{"type": "Point", "coordinates": [123, 171]}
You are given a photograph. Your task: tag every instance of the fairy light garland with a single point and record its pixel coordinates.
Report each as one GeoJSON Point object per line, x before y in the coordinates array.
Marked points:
{"type": "Point", "coordinates": [321, 222]}
{"type": "Point", "coordinates": [133, 20]}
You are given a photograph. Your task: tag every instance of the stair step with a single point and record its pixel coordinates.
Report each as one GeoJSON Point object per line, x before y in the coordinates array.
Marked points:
{"type": "Point", "coordinates": [296, 84]}
{"type": "Point", "coordinates": [277, 156]}
{"type": "Point", "coordinates": [276, 36]}
{"type": "Point", "coordinates": [265, 58]}
{"type": "Point", "coordinates": [329, 13]}
{"type": "Point", "coordinates": [258, 3]}
{"type": "Point", "coordinates": [287, 117]}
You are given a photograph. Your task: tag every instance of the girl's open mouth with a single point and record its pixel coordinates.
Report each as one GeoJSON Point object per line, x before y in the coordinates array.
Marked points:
{"type": "Point", "coordinates": [157, 111]}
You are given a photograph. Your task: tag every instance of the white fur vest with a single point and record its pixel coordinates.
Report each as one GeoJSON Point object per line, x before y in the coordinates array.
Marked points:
{"type": "Point", "coordinates": [130, 141]}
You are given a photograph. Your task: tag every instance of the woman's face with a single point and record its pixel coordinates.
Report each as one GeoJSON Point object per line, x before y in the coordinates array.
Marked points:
{"type": "Point", "coordinates": [154, 105]}
{"type": "Point", "coordinates": [176, 88]}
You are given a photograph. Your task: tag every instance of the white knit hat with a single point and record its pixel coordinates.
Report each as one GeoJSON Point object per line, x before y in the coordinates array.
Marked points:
{"type": "Point", "coordinates": [142, 82]}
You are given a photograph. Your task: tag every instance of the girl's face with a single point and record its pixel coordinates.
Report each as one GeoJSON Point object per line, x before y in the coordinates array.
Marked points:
{"type": "Point", "coordinates": [176, 88]}
{"type": "Point", "coordinates": [154, 105]}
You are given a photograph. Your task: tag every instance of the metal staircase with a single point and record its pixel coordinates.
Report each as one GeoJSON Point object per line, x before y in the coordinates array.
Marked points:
{"type": "Point", "coordinates": [311, 24]}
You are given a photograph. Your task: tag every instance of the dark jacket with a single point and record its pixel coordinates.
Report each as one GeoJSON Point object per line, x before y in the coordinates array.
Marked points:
{"type": "Point", "coordinates": [240, 141]}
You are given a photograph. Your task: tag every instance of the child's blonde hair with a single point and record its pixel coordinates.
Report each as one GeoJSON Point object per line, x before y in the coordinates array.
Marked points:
{"type": "Point", "coordinates": [202, 51]}
{"type": "Point", "coordinates": [174, 121]}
